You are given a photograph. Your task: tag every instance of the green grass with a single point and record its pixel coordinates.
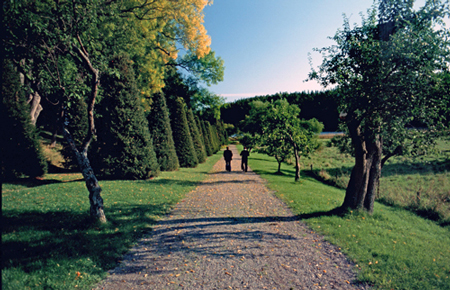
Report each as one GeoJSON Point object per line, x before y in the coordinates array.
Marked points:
{"type": "Point", "coordinates": [49, 241]}
{"type": "Point", "coordinates": [420, 184]}
{"type": "Point", "coordinates": [392, 249]}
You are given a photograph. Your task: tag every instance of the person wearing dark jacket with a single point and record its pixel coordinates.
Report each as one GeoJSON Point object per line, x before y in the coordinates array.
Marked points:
{"type": "Point", "coordinates": [228, 155]}
{"type": "Point", "coordinates": [244, 162]}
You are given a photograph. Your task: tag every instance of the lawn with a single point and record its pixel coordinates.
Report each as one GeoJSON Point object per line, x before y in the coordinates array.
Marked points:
{"type": "Point", "coordinates": [393, 249]}
{"type": "Point", "coordinates": [420, 184]}
{"type": "Point", "coordinates": [49, 242]}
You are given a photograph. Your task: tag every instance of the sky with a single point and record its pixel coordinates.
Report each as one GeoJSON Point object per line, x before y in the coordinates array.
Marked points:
{"type": "Point", "coordinates": [265, 43]}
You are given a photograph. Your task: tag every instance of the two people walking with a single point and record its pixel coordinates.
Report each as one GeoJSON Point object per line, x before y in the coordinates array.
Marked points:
{"type": "Point", "coordinates": [228, 156]}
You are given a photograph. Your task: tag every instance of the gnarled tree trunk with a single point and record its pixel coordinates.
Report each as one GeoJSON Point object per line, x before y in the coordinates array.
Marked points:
{"type": "Point", "coordinates": [95, 199]}
{"type": "Point", "coordinates": [365, 176]}
{"type": "Point", "coordinates": [34, 100]}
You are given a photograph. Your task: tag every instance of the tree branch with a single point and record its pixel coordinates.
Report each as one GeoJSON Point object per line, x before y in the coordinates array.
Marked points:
{"type": "Point", "coordinates": [94, 91]}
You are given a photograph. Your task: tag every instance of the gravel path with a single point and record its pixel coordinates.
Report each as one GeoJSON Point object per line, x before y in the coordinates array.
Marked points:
{"type": "Point", "coordinates": [232, 233]}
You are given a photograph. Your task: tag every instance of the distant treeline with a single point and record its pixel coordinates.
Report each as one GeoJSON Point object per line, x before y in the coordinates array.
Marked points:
{"type": "Point", "coordinates": [321, 105]}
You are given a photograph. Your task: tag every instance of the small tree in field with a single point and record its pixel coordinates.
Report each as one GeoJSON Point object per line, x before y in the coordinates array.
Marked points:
{"type": "Point", "coordinates": [277, 147]}
{"type": "Point", "coordinates": [161, 130]}
{"type": "Point", "coordinates": [248, 140]}
{"type": "Point", "coordinates": [124, 148]}
{"type": "Point", "coordinates": [278, 122]}
{"type": "Point", "coordinates": [388, 74]}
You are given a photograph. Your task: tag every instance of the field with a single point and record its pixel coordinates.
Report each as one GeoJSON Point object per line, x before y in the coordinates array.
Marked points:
{"type": "Point", "coordinates": [420, 184]}
{"type": "Point", "coordinates": [392, 249]}
{"type": "Point", "coordinates": [49, 242]}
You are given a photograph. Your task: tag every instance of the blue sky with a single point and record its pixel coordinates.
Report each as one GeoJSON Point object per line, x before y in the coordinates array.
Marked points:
{"type": "Point", "coordinates": [265, 43]}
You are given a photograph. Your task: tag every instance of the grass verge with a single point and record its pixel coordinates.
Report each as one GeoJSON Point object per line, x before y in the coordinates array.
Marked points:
{"type": "Point", "coordinates": [393, 248]}
{"type": "Point", "coordinates": [420, 184]}
{"type": "Point", "coordinates": [49, 242]}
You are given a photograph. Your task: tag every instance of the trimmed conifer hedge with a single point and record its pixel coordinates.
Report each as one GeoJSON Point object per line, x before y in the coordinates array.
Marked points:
{"type": "Point", "coordinates": [196, 137]}
{"type": "Point", "coordinates": [161, 130]}
{"type": "Point", "coordinates": [124, 147]}
{"type": "Point", "coordinates": [182, 136]}
{"type": "Point", "coordinates": [206, 138]}
{"type": "Point", "coordinates": [20, 149]}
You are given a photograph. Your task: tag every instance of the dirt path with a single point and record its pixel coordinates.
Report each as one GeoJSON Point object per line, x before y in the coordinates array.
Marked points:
{"type": "Point", "coordinates": [232, 233]}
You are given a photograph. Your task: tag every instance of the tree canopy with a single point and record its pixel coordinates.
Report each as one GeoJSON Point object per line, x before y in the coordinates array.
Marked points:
{"type": "Point", "coordinates": [277, 124]}
{"type": "Point", "coordinates": [388, 76]}
{"type": "Point", "coordinates": [62, 48]}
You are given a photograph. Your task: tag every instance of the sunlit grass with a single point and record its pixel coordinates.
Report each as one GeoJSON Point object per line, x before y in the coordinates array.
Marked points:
{"type": "Point", "coordinates": [49, 241]}
{"type": "Point", "coordinates": [393, 248]}
{"type": "Point", "coordinates": [420, 184]}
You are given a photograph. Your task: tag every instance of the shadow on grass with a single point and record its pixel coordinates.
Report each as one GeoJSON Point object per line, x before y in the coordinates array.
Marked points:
{"type": "Point", "coordinates": [392, 169]}
{"type": "Point", "coordinates": [55, 169]}
{"type": "Point", "coordinates": [282, 173]}
{"type": "Point", "coordinates": [33, 239]}
{"type": "Point", "coordinates": [35, 182]}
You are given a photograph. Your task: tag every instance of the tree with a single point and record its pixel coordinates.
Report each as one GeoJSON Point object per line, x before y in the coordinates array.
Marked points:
{"type": "Point", "coordinates": [206, 138]}
{"type": "Point", "coordinates": [221, 132]}
{"type": "Point", "coordinates": [62, 47]}
{"type": "Point", "coordinates": [161, 131]}
{"type": "Point", "coordinates": [78, 126]}
{"type": "Point", "coordinates": [277, 147]}
{"type": "Point", "coordinates": [182, 136]}
{"type": "Point", "coordinates": [124, 147]}
{"type": "Point", "coordinates": [278, 121]}
{"type": "Point", "coordinates": [249, 141]}
{"type": "Point", "coordinates": [205, 103]}
{"type": "Point", "coordinates": [20, 150]}
{"type": "Point", "coordinates": [196, 137]}
{"type": "Point", "coordinates": [387, 75]}
{"type": "Point", "coordinates": [213, 137]}
{"type": "Point", "coordinates": [208, 69]}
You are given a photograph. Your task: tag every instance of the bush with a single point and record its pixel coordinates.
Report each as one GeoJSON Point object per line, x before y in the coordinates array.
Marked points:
{"type": "Point", "coordinates": [78, 127]}
{"type": "Point", "coordinates": [20, 150]}
{"type": "Point", "coordinates": [206, 138]}
{"type": "Point", "coordinates": [196, 137]}
{"type": "Point", "coordinates": [161, 131]}
{"type": "Point", "coordinates": [124, 148]}
{"type": "Point", "coordinates": [182, 136]}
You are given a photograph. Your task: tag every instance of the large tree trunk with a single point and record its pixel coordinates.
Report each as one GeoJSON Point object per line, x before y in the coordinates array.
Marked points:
{"type": "Point", "coordinates": [357, 186]}
{"type": "Point", "coordinates": [95, 199]}
{"type": "Point", "coordinates": [92, 185]}
{"type": "Point", "coordinates": [34, 100]}
{"type": "Point", "coordinates": [374, 173]}
{"type": "Point", "coordinates": [365, 176]}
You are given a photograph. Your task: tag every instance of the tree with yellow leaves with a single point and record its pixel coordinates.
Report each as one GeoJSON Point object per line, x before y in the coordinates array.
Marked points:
{"type": "Point", "coordinates": [65, 46]}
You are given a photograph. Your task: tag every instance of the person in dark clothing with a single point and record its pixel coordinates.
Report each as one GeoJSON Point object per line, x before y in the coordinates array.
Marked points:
{"type": "Point", "coordinates": [244, 163]}
{"type": "Point", "coordinates": [227, 155]}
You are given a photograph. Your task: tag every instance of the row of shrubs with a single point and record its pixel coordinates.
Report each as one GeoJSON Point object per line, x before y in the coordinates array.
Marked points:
{"type": "Point", "coordinates": [130, 143]}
